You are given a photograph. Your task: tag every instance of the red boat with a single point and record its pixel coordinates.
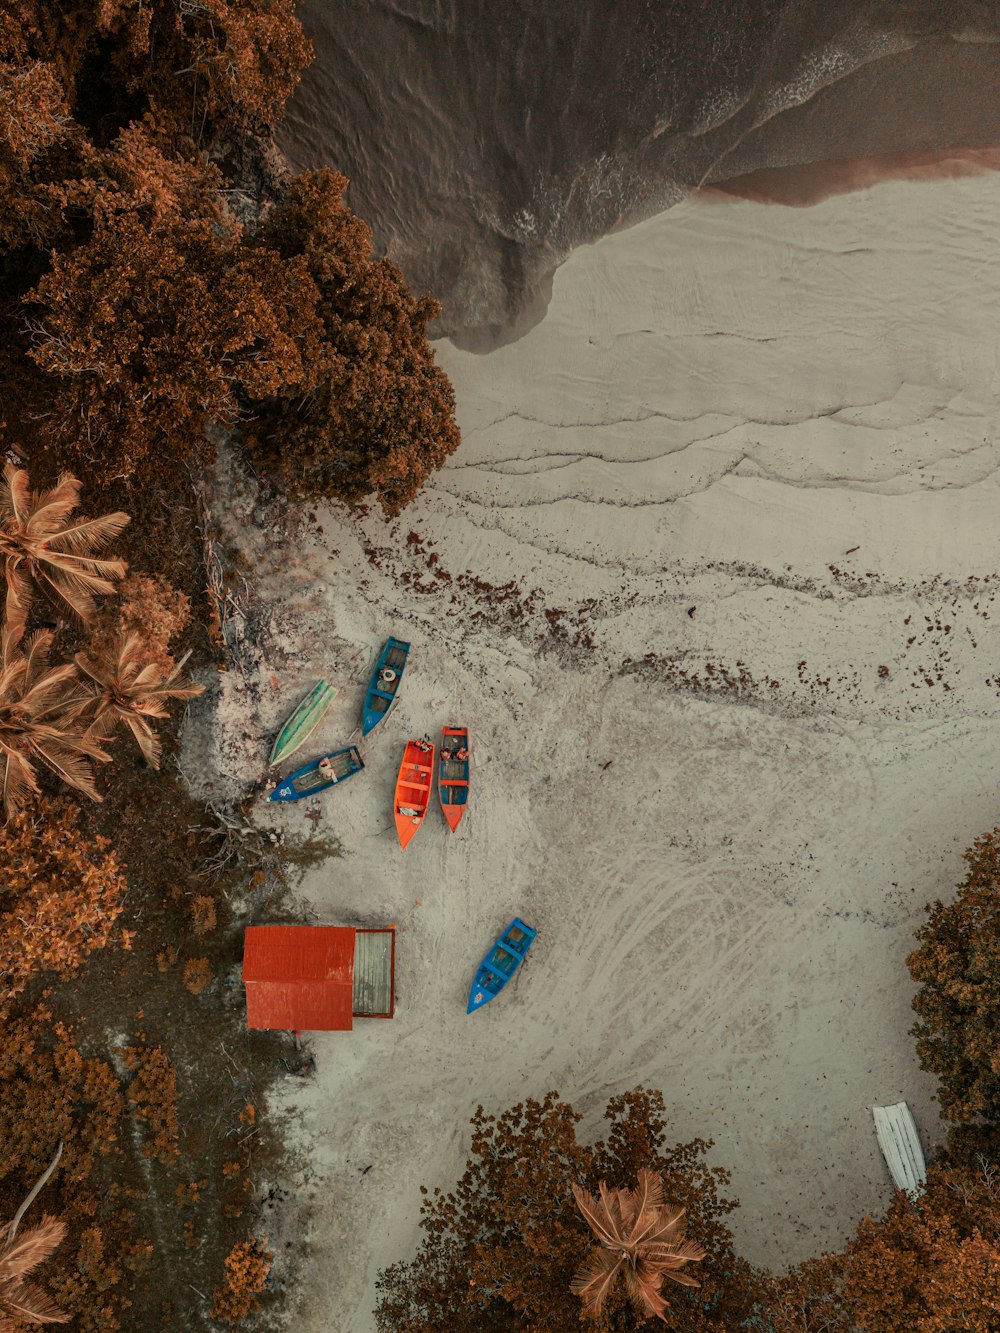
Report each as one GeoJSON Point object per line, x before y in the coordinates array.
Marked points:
{"type": "Point", "coordinates": [453, 774]}
{"type": "Point", "coordinates": [413, 789]}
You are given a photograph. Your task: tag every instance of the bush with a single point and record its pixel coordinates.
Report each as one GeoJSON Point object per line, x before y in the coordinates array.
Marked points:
{"type": "Point", "coordinates": [247, 1266]}
{"type": "Point", "coordinates": [60, 895]}
{"type": "Point", "coordinates": [379, 414]}
{"type": "Point", "coordinates": [153, 1093]}
{"type": "Point", "coordinates": [148, 606]}
{"type": "Point", "coordinates": [957, 969]}
{"type": "Point", "coordinates": [503, 1247]}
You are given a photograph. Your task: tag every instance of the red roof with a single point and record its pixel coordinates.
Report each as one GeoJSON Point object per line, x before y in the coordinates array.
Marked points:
{"type": "Point", "coordinates": [299, 978]}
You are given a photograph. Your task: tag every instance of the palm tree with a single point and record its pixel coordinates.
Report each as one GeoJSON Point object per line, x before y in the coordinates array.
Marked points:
{"type": "Point", "coordinates": [641, 1238]}
{"type": "Point", "coordinates": [40, 542]}
{"type": "Point", "coordinates": [127, 690]}
{"type": "Point", "coordinates": [43, 719]}
{"type": "Point", "coordinates": [20, 1300]}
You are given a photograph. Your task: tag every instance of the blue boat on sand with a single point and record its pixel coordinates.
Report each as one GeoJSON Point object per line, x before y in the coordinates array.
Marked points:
{"type": "Point", "coordinates": [384, 686]}
{"type": "Point", "coordinates": [318, 776]}
{"type": "Point", "coordinates": [500, 963]}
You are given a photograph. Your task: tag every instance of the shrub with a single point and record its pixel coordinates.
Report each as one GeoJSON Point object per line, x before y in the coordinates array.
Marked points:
{"type": "Point", "coordinates": [149, 607]}
{"type": "Point", "coordinates": [61, 894]}
{"type": "Point", "coordinates": [379, 414]}
{"type": "Point", "coordinates": [957, 969]}
{"type": "Point", "coordinates": [247, 1266]}
{"type": "Point", "coordinates": [197, 974]}
{"type": "Point", "coordinates": [153, 1094]}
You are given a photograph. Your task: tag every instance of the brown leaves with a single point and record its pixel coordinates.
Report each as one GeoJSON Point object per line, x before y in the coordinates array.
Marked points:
{"type": "Point", "coordinates": [640, 1239]}
{"type": "Point", "coordinates": [61, 896]}
{"type": "Point", "coordinates": [19, 1298]}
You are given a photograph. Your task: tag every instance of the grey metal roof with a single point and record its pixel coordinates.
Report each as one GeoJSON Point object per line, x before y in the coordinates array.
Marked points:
{"type": "Point", "coordinates": [373, 973]}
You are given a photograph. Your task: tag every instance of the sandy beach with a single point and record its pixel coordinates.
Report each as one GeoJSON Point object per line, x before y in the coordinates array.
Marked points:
{"type": "Point", "coordinates": [712, 581]}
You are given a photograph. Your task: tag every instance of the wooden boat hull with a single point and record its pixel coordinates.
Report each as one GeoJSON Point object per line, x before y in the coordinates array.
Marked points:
{"type": "Point", "coordinates": [500, 964]}
{"type": "Point", "coordinates": [383, 691]}
{"type": "Point", "coordinates": [413, 790]}
{"type": "Point", "coordinates": [309, 781]}
{"type": "Point", "coordinates": [303, 721]}
{"type": "Point", "coordinates": [453, 776]}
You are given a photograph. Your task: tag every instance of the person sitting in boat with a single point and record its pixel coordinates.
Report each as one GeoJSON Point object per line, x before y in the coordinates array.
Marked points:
{"type": "Point", "coordinates": [424, 745]}
{"type": "Point", "coordinates": [325, 767]}
{"type": "Point", "coordinates": [445, 754]}
{"type": "Point", "coordinates": [461, 755]}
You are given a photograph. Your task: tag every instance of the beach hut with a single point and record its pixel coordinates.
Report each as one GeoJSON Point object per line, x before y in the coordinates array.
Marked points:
{"type": "Point", "coordinates": [318, 978]}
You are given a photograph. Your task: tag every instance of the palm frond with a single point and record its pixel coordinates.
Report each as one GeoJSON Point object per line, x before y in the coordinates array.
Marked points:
{"type": "Point", "coordinates": [31, 1248]}
{"type": "Point", "coordinates": [88, 534]}
{"type": "Point", "coordinates": [146, 739]}
{"type": "Point", "coordinates": [28, 1303]}
{"type": "Point", "coordinates": [65, 760]}
{"type": "Point", "coordinates": [15, 493]}
{"type": "Point", "coordinates": [596, 1278]}
{"type": "Point", "coordinates": [603, 1225]}
{"type": "Point", "coordinates": [17, 780]}
{"type": "Point", "coordinates": [643, 1288]}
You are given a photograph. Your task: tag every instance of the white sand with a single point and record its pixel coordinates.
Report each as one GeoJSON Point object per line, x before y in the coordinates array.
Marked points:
{"type": "Point", "coordinates": [719, 405]}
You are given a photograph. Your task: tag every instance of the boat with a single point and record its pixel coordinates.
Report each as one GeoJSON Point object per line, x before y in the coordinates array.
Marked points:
{"type": "Point", "coordinates": [310, 780]}
{"type": "Point", "coordinates": [453, 775]}
{"type": "Point", "coordinates": [900, 1144]}
{"type": "Point", "coordinates": [384, 685]}
{"type": "Point", "coordinates": [413, 789]}
{"type": "Point", "coordinates": [500, 963]}
{"type": "Point", "coordinates": [303, 721]}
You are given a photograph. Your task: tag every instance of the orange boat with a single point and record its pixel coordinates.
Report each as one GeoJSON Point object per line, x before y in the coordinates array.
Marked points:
{"type": "Point", "coordinates": [413, 788]}
{"type": "Point", "coordinates": [453, 774]}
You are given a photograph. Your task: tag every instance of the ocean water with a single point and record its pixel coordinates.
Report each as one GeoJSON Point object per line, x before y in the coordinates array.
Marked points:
{"type": "Point", "coordinates": [485, 139]}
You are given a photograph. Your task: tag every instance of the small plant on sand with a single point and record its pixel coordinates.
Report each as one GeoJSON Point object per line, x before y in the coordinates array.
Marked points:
{"type": "Point", "coordinates": [641, 1239]}
{"type": "Point", "coordinates": [247, 1266]}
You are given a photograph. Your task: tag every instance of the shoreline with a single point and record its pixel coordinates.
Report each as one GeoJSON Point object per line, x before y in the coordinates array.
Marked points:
{"type": "Point", "coordinates": [760, 390]}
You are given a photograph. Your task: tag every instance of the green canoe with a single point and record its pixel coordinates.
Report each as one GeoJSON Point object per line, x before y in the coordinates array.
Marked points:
{"type": "Point", "coordinates": [303, 721]}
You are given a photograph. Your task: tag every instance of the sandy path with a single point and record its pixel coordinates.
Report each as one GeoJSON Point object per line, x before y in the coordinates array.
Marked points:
{"type": "Point", "coordinates": [720, 404]}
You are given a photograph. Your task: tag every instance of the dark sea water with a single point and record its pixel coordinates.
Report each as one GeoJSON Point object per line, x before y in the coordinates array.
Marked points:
{"type": "Point", "coordinates": [485, 139]}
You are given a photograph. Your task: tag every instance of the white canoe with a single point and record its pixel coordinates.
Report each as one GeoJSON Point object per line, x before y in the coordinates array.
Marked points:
{"type": "Point", "coordinates": [900, 1144]}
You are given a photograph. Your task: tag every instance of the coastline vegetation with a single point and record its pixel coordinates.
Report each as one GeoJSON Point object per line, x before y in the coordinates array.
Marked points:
{"type": "Point", "coordinates": [505, 1246]}
{"type": "Point", "coordinates": [164, 283]}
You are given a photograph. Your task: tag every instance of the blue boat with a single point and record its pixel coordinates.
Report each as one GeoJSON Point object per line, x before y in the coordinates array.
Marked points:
{"type": "Point", "coordinates": [500, 963]}
{"type": "Point", "coordinates": [319, 776]}
{"type": "Point", "coordinates": [384, 683]}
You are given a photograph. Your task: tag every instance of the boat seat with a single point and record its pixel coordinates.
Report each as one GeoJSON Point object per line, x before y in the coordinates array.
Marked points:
{"type": "Point", "coordinates": [454, 782]}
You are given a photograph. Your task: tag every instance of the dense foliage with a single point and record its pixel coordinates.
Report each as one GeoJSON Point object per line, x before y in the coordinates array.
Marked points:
{"type": "Point", "coordinates": [503, 1247]}
{"type": "Point", "coordinates": [61, 894]}
{"type": "Point", "coordinates": [141, 308]}
{"type": "Point", "coordinates": [957, 969]}
{"type": "Point", "coordinates": [374, 414]}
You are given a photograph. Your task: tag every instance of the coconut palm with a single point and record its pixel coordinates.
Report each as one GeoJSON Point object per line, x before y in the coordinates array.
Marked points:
{"type": "Point", "coordinates": [21, 1302]}
{"type": "Point", "coordinates": [40, 542]}
{"type": "Point", "coordinates": [128, 690]}
{"type": "Point", "coordinates": [640, 1238]}
{"type": "Point", "coordinates": [42, 720]}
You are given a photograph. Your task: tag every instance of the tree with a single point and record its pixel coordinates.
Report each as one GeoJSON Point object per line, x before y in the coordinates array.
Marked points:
{"type": "Point", "coordinates": [61, 894]}
{"type": "Point", "coordinates": [127, 690]}
{"type": "Point", "coordinates": [640, 1238]}
{"type": "Point", "coordinates": [158, 325]}
{"type": "Point", "coordinates": [374, 414]}
{"type": "Point", "coordinates": [42, 721]}
{"type": "Point", "coordinates": [957, 969]}
{"type": "Point", "coordinates": [39, 543]}
{"type": "Point", "coordinates": [502, 1248]}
